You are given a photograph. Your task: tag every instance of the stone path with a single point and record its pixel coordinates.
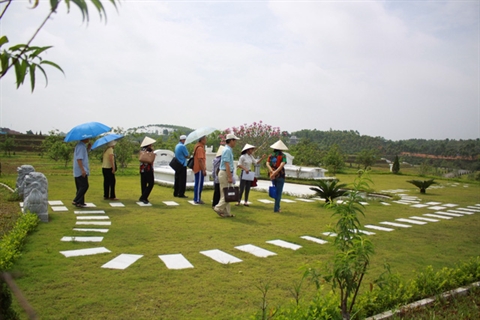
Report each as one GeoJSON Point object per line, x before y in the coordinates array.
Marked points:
{"type": "Point", "coordinates": [177, 261]}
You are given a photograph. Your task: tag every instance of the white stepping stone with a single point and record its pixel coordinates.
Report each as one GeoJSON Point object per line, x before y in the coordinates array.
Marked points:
{"type": "Point", "coordinates": [319, 199]}
{"type": "Point", "coordinates": [419, 205]}
{"type": "Point", "coordinates": [93, 218]}
{"type": "Point", "coordinates": [82, 239]}
{"type": "Point", "coordinates": [122, 262]}
{"type": "Point", "coordinates": [469, 209]}
{"type": "Point", "coordinates": [369, 226]}
{"type": "Point", "coordinates": [436, 208]}
{"type": "Point", "coordinates": [84, 252]}
{"type": "Point", "coordinates": [175, 261]}
{"type": "Point", "coordinates": [94, 223]}
{"type": "Point", "coordinates": [284, 244]}
{"type": "Point", "coordinates": [449, 214]}
{"type": "Point", "coordinates": [305, 200]}
{"type": "Point", "coordinates": [385, 203]}
{"type": "Point", "coordinates": [288, 201]}
{"type": "Point", "coordinates": [433, 203]}
{"type": "Point", "coordinates": [438, 216]}
{"type": "Point", "coordinates": [55, 203]}
{"type": "Point", "coordinates": [117, 204]}
{"type": "Point", "coordinates": [141, 204]}
{"type": "Point", "coordinates": [478, 204]}
{"type": "Point", "coordinates": [402, 202]}
{"type": "Point", "coordinates": [411, 221]}
{"type": "Point", "coordinates": [330, 234]}
{"type": "Point", "coordinates": [192, 203]}
{"type": "Point", "coordinates": [460, 212]}
{"type": "Point", "coordinates": [220, 256]}
{"type": "Point", "coordinates": [91, 229]}
{"type": "Point", "coordinates": [171, 203]}
{"type": "Point", "coordinates": [450, 205]}
{"type": "Point", "coordinates": [474, 208]}
{"type": "Point", "coordinates": [368, 233]}
{"type": "Point", "coordinates": [320, 241]}
{"type": "Point", "coordinates": [256, 251]}
{"type": "Point", "coordinates": [59, 208]}
{"type": "Point", "coordinates": [265, 201]}
{"type": "Point", "coordinates": [90, 212]}
{"type": "Point", "coordinates": [394, 224]}
{"type": "Point", "coordinates": [424, 219]}
{"type": "Point", "coordinates": [90, 205]}
{"type": "Point", "coordinates": [364, 203]}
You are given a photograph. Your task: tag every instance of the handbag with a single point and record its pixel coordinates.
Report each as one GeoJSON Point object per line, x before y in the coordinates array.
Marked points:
{"type": "Point", "coordinates": [232, 194]}
{"type": "Point", "coordinates": [254, 183]}
{"type": "Point", "coordinates": [190, 163]}
{"type": "Point", "coordinates": [272, 191]}
{"type": "Point", "coordinates": [175, 164]}
{"type": "Point", "coordinates": [146, 156]}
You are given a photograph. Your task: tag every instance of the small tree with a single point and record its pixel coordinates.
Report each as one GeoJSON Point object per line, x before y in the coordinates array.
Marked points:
{"type": "Point", "coordinates": [396, 165]}
{"type": "Point", "coordinates": [352, 250]}
{"type": "Point", "coordinates": [422, 185]}
{"type": "Point", "coordinates": [367, 158]}
{"type": "Point", "coordinates": [306, 153]}
{"type": "Point", "coordinates": [329, 190]}
{"type": "Point", "coordinates": [8, 145]}
{"type": "Point", "coordinates": [54, 147]}
{"type": "Point", "coordinates": [259, 134]}
{"type": "Point", "coordinates": [125, 148]}
{"type": "Point", "coordinates": [334, 159]}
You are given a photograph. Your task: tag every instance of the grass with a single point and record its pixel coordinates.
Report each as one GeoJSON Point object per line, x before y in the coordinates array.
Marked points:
{"type": "Point", "coordinates": [454, 308]}
{"type": "Point", "coordinates": [68, 288]}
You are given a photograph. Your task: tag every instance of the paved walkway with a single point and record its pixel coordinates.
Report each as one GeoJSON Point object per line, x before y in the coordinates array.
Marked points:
{"type": "Point", "coordinates": [296, 190]}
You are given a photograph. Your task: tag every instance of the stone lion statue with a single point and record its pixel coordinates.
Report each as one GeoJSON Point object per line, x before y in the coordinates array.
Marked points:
{"type": "Point", "coordinates": [22, 172]}
{"type": "Point", "coordinates": [36, 195]}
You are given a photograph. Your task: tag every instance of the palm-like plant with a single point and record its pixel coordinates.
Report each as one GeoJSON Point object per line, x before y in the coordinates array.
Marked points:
{"type": "Point", "coordinates": [422, 185]}
{"type": "Point", "coordinates": [329, 190]}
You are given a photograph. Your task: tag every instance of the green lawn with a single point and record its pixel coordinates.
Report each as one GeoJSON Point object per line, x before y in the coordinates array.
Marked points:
{"type": "Point", "coordinates": [77, 288]}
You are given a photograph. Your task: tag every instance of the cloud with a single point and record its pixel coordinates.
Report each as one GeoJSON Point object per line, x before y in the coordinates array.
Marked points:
{"type": "Point", "coordinates": [398, 70]}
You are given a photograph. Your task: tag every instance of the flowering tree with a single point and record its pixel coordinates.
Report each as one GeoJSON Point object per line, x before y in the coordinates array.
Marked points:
{"type": "Point", "coordinates": [259, 134]}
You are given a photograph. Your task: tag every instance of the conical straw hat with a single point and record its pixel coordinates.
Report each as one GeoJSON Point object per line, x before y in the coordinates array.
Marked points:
{"type": "Point", "coordinates": [247, 146]}
{"type": "Point", "coordinates": [147, 141]}
{"type": "Point", "coordinates": [279, 145]}
{"type": "Point", "coordinates": [219, 151]}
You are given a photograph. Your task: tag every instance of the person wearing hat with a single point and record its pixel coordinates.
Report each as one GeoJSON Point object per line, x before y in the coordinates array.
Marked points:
{"type": "Point", "coordinates": [275, 164]}
{"type": "Point", "coordinates": [146, 171]}
{"type": "Point", "coordinates": [216, 170]}
{"type": "Point", "coordinates": [246, 177]}
{"type": "Point", "coordinates": [199, 169]}
{"type": "Point", "coordinates": [108, 170]}
{"type": "Point", "coordinates": [181, 153]}
{"type": "Point", "coordinates": [225, 175]}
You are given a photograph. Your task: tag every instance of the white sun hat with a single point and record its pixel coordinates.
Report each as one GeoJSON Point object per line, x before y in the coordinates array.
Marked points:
{"type": "Point", "coordinates": [219, 151]}
{"type": "Point", "coordinates": [231, 136]}
{"type": "Point", "coordinates": [279, 145]}
{"type": "Point", "coordinates": [147, 141]}
{"type": "Point", "coordinates": [248, 146]}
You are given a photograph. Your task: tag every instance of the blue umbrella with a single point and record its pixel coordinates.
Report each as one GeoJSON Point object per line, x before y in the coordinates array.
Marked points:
{"type": "Point", "coordinates": [86, 131]}
{"type": "Point", "coordinates": [106, 139]}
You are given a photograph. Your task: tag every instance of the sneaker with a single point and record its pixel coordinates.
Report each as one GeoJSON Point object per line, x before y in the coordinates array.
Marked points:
{"type": "Point", "coordinates": [199, 202]}
{"type": "Point", "coordinates": [145, 201]}
{"type": "Point", "coordinates": [81, 205]}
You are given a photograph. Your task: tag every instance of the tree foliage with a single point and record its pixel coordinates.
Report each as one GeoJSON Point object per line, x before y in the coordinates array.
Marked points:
{"type": "Point", "coordinates": [259, 134]}
{"type": "Point", "coordinates": [57, 150]}
{"type": "Point", "coordinates": [334, 160]}
{"type": "Point", "coordinates": [307, 153]}
{"type": "Point", "coordinates": [396, 165]}
{"type": "Point", "coordinates": [367, 158]}
{"type": "Point", "coordinates": [26, 59]}
{"type": "Point", "coordinates": [8, 145]}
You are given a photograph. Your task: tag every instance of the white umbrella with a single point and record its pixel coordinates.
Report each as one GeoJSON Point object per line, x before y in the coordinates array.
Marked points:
{"type": "Point", "coordinates": [197, 134]}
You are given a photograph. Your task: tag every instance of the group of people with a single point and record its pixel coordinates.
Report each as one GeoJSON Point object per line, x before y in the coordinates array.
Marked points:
{"type": "Point", "coordinates": [223, 171]}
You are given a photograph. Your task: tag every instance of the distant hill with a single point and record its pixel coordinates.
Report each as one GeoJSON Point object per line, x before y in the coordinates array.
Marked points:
{"type": "Point", "coordinates": [159, 129]}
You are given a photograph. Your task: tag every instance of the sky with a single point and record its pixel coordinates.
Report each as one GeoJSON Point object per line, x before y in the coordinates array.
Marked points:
{"type": "Point", "coordinates": [394, 69]}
